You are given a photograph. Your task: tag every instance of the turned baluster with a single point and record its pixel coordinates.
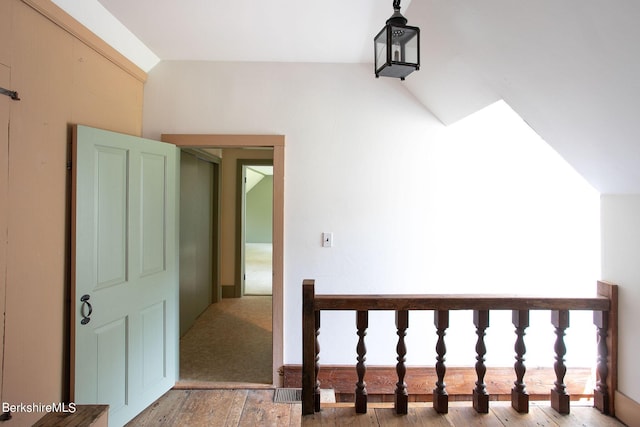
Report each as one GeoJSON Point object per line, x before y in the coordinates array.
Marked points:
{"type": "Point", "coordinates": [401, 394]}
{"type": "Point", "coordinates": [519, 395]}
{"type": "Point", "coordinates": [362, 323]}
{"type": "Point", "coordinates": [480, 395]}
{"type": "Point", "coordinates": [440, 395]}
{"type": "Point", "coordinates": [559, 395]}
{"type": "Point", "coordinates": [601, 392]}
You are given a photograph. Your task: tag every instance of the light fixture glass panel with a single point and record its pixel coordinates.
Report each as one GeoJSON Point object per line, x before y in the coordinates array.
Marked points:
{"type": "Point", "coordinates": [381, 49]}
{"type": "Point", "coordinates": [411, 50]}
{"type": "Point", "coordinates": [404, 44]}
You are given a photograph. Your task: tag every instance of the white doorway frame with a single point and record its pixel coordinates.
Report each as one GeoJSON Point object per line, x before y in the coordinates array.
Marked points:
{"type": "Point", "coordinates": [277, 143]}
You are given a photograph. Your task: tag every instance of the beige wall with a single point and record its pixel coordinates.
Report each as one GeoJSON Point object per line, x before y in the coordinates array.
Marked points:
{"type": "Point", "coordinates": [61, 80]}
{"type": "Point", "coordinates": [228, 224]}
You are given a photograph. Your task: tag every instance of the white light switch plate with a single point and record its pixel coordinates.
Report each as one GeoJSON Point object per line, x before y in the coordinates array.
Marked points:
{"type": "Point", "coordinates": [327, 240]}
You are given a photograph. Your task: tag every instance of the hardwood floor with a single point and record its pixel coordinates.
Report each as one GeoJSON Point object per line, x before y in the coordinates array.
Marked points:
{"type": "Point", "coordinates": [212, 408]}
{"type": "Point", "coordinates": [256, 408]}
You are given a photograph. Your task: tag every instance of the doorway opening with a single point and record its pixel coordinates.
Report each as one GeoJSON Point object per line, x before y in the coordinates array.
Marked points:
{"type": "Point", "coordinates": [233, 303]}
{"type": "Point", "coordinates": [255, 220]}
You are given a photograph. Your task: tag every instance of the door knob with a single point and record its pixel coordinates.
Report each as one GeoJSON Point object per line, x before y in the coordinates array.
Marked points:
{"type": "Point", "coordinates": [86, 305]}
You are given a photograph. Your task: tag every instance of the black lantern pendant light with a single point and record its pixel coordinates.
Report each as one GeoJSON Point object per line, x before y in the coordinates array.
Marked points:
{"type": "Point", "coordinates": [397, 47]}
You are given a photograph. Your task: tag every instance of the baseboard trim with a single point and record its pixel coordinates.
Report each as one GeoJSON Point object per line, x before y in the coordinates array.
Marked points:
{"type": "Point", "coordinates": [627, 410]}
{"type": "Point", "coordinates": [460, 382]}
{"type": "Point", "coordinates": [228, 292]}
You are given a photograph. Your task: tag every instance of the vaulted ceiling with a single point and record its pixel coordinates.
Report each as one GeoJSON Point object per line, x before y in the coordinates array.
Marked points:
{"type": "Point", "coordinates": [570, 68]}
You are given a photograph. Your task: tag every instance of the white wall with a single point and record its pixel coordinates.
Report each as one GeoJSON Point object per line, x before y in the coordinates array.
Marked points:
{"type": "Point", "coordinates": [414, 207]}
{"type": "Point", "coordinates": [620, 255]}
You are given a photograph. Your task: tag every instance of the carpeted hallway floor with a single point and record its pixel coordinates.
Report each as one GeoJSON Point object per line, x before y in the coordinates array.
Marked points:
{"type": "Point", "coordinates": [230, 342]}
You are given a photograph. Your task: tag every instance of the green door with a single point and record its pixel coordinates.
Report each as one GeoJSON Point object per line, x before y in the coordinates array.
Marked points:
{"type": "Point", "coordinates": [125, 282]}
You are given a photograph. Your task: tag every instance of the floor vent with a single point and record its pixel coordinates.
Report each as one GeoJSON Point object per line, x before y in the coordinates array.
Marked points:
{"type": "Point", "coordinates": [287, 395]}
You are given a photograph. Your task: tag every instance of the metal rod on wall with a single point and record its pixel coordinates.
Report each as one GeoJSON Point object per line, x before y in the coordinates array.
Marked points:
{"type": "Point", "coordinates": [10, 93]}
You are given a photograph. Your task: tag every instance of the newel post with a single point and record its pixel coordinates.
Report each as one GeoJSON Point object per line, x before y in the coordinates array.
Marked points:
{"type": "Point", "coordinates": [607, 365]}
{"type": "Point", "coordinates": [310, 327]}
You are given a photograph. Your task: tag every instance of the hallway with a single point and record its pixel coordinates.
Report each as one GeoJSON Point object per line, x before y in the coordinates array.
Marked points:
{"type": "Point", "coordinates": [231, 342]}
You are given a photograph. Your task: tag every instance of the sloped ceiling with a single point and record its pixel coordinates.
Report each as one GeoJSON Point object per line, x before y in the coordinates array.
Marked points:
{"type": "Point", "coordinates": [570, 68]}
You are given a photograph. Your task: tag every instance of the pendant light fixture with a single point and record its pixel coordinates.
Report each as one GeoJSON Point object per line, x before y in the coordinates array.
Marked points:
{"type": "Point", "coordinates": [397, 47]}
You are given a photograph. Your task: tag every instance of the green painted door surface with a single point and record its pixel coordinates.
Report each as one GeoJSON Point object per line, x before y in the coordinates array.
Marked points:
{"type": "Point", "coordinates": [125, 287]}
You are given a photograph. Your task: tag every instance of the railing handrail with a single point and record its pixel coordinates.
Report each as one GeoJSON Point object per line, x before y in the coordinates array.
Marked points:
{"type": "Point", "coordinates": [604, 307]}
{"type": "Point", "coordinates": [457, 302]}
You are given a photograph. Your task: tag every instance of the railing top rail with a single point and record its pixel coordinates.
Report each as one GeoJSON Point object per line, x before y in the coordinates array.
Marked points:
{"type": "Point", "coordinates": [457, 302]}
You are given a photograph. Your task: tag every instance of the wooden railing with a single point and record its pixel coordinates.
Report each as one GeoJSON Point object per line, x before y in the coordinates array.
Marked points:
{"type": "Point", "coordinates": [604, 307]}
